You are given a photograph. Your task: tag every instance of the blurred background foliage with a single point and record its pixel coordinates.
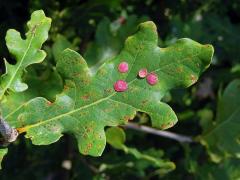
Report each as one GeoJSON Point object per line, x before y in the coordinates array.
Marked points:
{"type": "Point", "coordinates": [97, 29]}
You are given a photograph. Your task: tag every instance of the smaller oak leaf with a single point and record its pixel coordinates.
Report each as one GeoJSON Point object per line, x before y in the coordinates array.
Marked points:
{"type": "Point", "coordinates": [222, 137]}
{"type": "Point", "coordinates": [89, 103]}
{"type": "Point", "coordinates": [116, 138]}
{"type": "Point", "coordinates": [26, 51]}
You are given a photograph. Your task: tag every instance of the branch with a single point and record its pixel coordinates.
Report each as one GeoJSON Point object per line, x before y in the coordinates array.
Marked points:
{"type": "Point", "coordinates": [167, 134]}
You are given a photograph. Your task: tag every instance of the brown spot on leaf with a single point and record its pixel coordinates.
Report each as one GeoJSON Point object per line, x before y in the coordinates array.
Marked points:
{"type": "Point", "coordinates": [126, 118]}
{"type": "Point", "coordinates": [65, 87]}
{"type": "Point", "coordinates": [107, 110]}
{"type": "Point", "coordinates": [89, 129]}
{"type": "Point", "coordinates": [49, 103]}
{"type": "Point", "coordinates": [179, 69]}
{"type": "Point", "coordinates": [76, 74]}
{"type": "Point", "coordinates": [83, 113]}
{"type": "Point", "coordinates": [102, 71]}
{"type": "Point", "coordinates": [172, 123]}
{"type": "Point", "coordinates": [85, 135]}
{"type": "Point", "coordinates": [85, 97]}
{"type": "Point", "coordinates": [178, 49]}
{"type": "Point", "coordinates": [86, 81]}
{"type": "Point", "coordinates": [89, 146]}
{"type": "Point", "coordinates": [163, 126]}
{"type": "Point", "coordinates": [85, 151]}
{"type": "Point", "coordinates": [193, 78]}
{"type": "Point", "coordinates": [144, 102]}
{"type": "Point", "coordinates": [108, 90]}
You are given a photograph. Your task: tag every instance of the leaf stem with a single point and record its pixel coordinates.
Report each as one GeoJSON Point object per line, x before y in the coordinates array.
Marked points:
{"type": "Point", "coordinates": [167, 134]}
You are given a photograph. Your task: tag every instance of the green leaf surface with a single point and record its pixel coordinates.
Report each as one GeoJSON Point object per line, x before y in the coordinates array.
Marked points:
{"type": "Point", "coordinates": [228, 169]}
{"type": "Point", "coordinates": [59, 45]}
{"type": "Point", "coordinates": [46, 84]}
{"type": "Point", "coordinates": [89, 103]}
{"type": "Point", "coordinates": [3, 152]}
{"type": "Point", "coordinates": [201, 170]}
{"type": "Point", "coordinates": [116, 138]}
{"type": "Point", "coordinates": [222, 137]}
{"type": "Point", "coordinates": [26, 51]}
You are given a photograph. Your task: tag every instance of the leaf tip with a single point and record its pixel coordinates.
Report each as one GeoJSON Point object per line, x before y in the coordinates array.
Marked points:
{"type": "Point", "coordinates": [148, 30]}
{"type": "Point", "coordinates": [149, 24]}
{"type": "Point", "coordinates": [209, 52]}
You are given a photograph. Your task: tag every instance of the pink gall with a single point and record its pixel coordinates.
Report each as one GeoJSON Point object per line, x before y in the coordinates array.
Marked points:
{"type": "Point", "coordinates": [120, 86]}
{"type": "Point", "coordinates": [152, 79]}
{"type": "Point", "coordinates": [142, 73]}
{"type": "Point", "coordinates": [123, 67]}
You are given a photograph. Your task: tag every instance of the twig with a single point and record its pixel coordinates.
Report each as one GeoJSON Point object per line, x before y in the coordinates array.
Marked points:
{"type": "Point", "coordinates": [167, 134]}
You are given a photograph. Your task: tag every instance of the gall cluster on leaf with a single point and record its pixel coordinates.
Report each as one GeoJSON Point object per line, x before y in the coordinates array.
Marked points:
{"type": "Point", "coordinates": [121, 85]}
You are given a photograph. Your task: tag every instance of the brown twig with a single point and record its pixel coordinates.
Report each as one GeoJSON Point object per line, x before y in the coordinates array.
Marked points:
{"type": "Point", "coordinates": [167, 134]}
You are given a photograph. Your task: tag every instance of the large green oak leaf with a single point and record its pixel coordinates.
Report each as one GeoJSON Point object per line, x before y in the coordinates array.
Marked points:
{"type": "Point", "coordinates": [89, 103]}
{"type": "Point", "coordinates": [26, 52]}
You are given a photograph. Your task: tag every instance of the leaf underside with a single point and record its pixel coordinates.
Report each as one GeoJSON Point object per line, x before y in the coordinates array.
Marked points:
{"type": "Point", "coordinates": [89, 103]}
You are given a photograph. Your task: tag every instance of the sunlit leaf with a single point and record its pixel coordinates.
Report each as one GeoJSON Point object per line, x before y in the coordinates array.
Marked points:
{"type": "Point", "coordinates": [26, 51]}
